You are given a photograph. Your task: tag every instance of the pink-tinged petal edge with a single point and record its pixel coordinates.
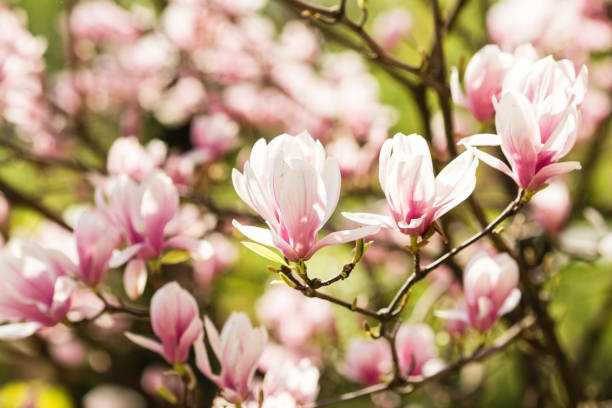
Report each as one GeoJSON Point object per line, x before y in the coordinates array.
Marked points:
{"type": "Point", "coordinates": [342, 237]}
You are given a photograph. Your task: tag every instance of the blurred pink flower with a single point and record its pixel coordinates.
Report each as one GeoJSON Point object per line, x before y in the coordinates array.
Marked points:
{"type": "Point", "coordinates": [415, 344]}
{"type": "Point", "coordinates": [208, 264]}
{"type": "Point", "coordinates": [299, 42]}
{"type": "Point", "coordinates": [415, 198]}
{"type": "Point", "coordinates": [95, 240]}
{"type": "Point", "coordinates": [484, 78]}
{"type": "Point", "coordinates": [309, 316]}
{"type": "Point", "coordinates": [102, 20]}
{"type": "Point", "coordinates": [237, 350]}
{"type": "Point", "coordinates": [490, 287]}
{"type": "Point", "coordinates": [300, 380]}
{"type": "Point", "coordinates": [35, 290]}
{"type": "Point", "coordinates": [551, 206]}
{"type": "Point", "coordinates": [392, 26]}
{"type": "Point", "coordinates": [175, 320]}
{"type": "Point", "coordinates": [128, 156]}
{"type": "Point", "coordinates": [214, 135]}
{"type": "Point", "coordinates": [367, 361]}
{"type": "Point", "coordinates": [295, 188]}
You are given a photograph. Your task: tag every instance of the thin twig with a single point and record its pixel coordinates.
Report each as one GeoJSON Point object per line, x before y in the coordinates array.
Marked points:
{"type": "Point", "coordinates": [411, 385]}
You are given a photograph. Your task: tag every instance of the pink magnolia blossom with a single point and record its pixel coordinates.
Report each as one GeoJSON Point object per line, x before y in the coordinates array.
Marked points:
{"type": "Point", "coordinates": [551, 207]}
{"type": "Point", "coordinates": [300, 380]}
{"type": "Point", "coordinates": [141, 212]}
{"type": "Point", "coordinates": [392, 26]}
{"type": "Point", "coordinates": [95, 241]}
{"type": "Point", "coordinates": [128, 156]}
{"type": "Point", "coordinates": [210, 262]}
{"type": "Point", "coordinates": [102, 20]}
{"type": "Point", "coordinates": [35, 289]}
{"type": "Point", "coordinates": [415, 344]}
{"type": "Point", "coordinates": [175, 320]}
{"type": "Point", "coordinates": [484, 78]}
{"type": "Point", "coordinates": [533, 155]}
{"type": "Point", "coordinates": [415, 197]}
{"type": "Point", "coordinates": [367, 361]}
{"type": "Point", "coordinates": [490, 287]}
{"type": "Point", "coordinates": [237, 350]}
{"type": "Point", "coordinates": [295, 188]}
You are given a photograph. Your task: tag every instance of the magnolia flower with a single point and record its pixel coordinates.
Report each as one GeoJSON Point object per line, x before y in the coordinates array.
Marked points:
{"type": "Point", "coordinates": [552, 206]}
{"type": "Point", "coordinates": [237, 350]}
{"type": "Point", "coordinates": [214, 135]}
{"type": "Point", "coordinates": [141, 212]}
{"type": "Point", "coordinates": [367, 361]}
{"type": "Point", "coordinates": [175, 320]}
{"type": "Point", "coordinates": [532, 154]}
{"type": "Point", "coordinates": [300, 380]}
{"type": "Point", "coordinates": [35, 287]}
{"type": "Point", "coordinates": [102, 20]}
{"type": "Point", "coordinates": [392, 26]}
{"type": "Point", "coordinates": [128, 156]}
{"type": "Point", "coordinates": [484, 78]}
{"type": "Point", "coordinates": [95, 240]}
{"type": "Point", "coordinates": [295, 188]}
{"type": "Point", "coordinates": [415, 198]}
{"type": "Point", "coordinates": [416, 346]}
{"type": "Point", "coordinates": [489, 284]}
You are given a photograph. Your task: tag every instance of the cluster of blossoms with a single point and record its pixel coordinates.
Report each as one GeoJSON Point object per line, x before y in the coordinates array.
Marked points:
{"type": "Point", "coordinates": [217, 71]}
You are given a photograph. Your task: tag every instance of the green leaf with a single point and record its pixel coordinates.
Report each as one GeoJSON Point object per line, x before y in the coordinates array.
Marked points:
{"type": "Point", "coordinates": [265, 252]}
{"type": "Point", "coordinates": [174, 256]}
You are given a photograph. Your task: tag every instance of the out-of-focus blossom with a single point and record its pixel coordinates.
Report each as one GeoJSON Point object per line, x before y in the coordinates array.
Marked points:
{"type": "Point", "coordinates": [415, 197]}
{"type": "Point", "coordinates": [367, 361]}
{"type": "Point", "coordinates": [180, 168]}
{"type": "Point", "coordinates": [128, 156]}
{"type": "Point", "coordinates": [156, 376]}
{"type": "Point", "coordinates": [237, 350]}
{"type": "Point", "coordinates": [300, 380]}
{"type": "Point", "coordinates": [295, 188]}
{"type": "Point", "coordinates": [95, 240]}
{"type": "Point", "coordinates": [392, 26]}
{"type": "Point", "coordinates": [239, 7]}
{"type": "Point", "coordinates": [175, 320]}
{"type": "Point", "coordinates": [415, 345]}
{"type": "Point", "coordinates": [490, 287]}
{"type": "Point", "coordinates": [105, 396]}
{"type": "Point", "coordinates": [310, 316]}
{"type": "Point", "coordinates": [484, 78]}
{"type": "Point", "coordinates": [570, 28]}
{"type": "Point", "coordinates": [595, 108]}
{"type": "Point", "coordinates": [207, 265]}
{"type": "Point", "coordinates": [299, 42]}
{"type": "Point", "coordinates": [352, 159]}
{"type": "Point", "coordinates": [214, 135]}
{"type": "Point", "coordinates": [135, 278]}
{"type": "Point", "coordinates": [463, 125]}
{"type": "Point", "coordinates": [551, 206]}
{"type": "Point", "coordinates": [180, 101]}
{"type": "Point", "coordinates": [102, 20]}
{"type": "Point", "coordinates": [35, 289]}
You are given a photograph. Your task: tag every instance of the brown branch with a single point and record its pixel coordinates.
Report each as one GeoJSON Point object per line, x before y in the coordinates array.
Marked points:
{"type": "Point", "coordinates": [17, 197]}
{"type": "Point", "coordinates": [408, 386]}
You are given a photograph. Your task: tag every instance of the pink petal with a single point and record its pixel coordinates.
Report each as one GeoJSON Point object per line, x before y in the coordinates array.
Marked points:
{"type": "Point", "coordinates": [341, 237]}
{"type": "Point", "coordinates": [135, 278]}
{"type": "Point", "coordinates": [495, 163]}
{"type": "Point", "coordinates": [455, 87]}
{"type": "Point", "coordinates": [550, 171]}
{"type": "Point", "coordinates": [511, 302]}
{"type": "Point", "coordinates": [15, 331]}
{"type": "Point", "coordinates": [370, 219]}
{"type": "Point", "coordinates": [261, 235]}
{"type": "Point", "coordinates": [481, 139]}
{"type": "Point", "coordinates": [145, 342]}
{"type": "Point", "coordinates": [121, 257]}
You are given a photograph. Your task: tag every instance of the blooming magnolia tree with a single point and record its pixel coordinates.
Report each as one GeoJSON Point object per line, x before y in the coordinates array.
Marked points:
{"type": "Point", "coordinates": [144, 141]}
